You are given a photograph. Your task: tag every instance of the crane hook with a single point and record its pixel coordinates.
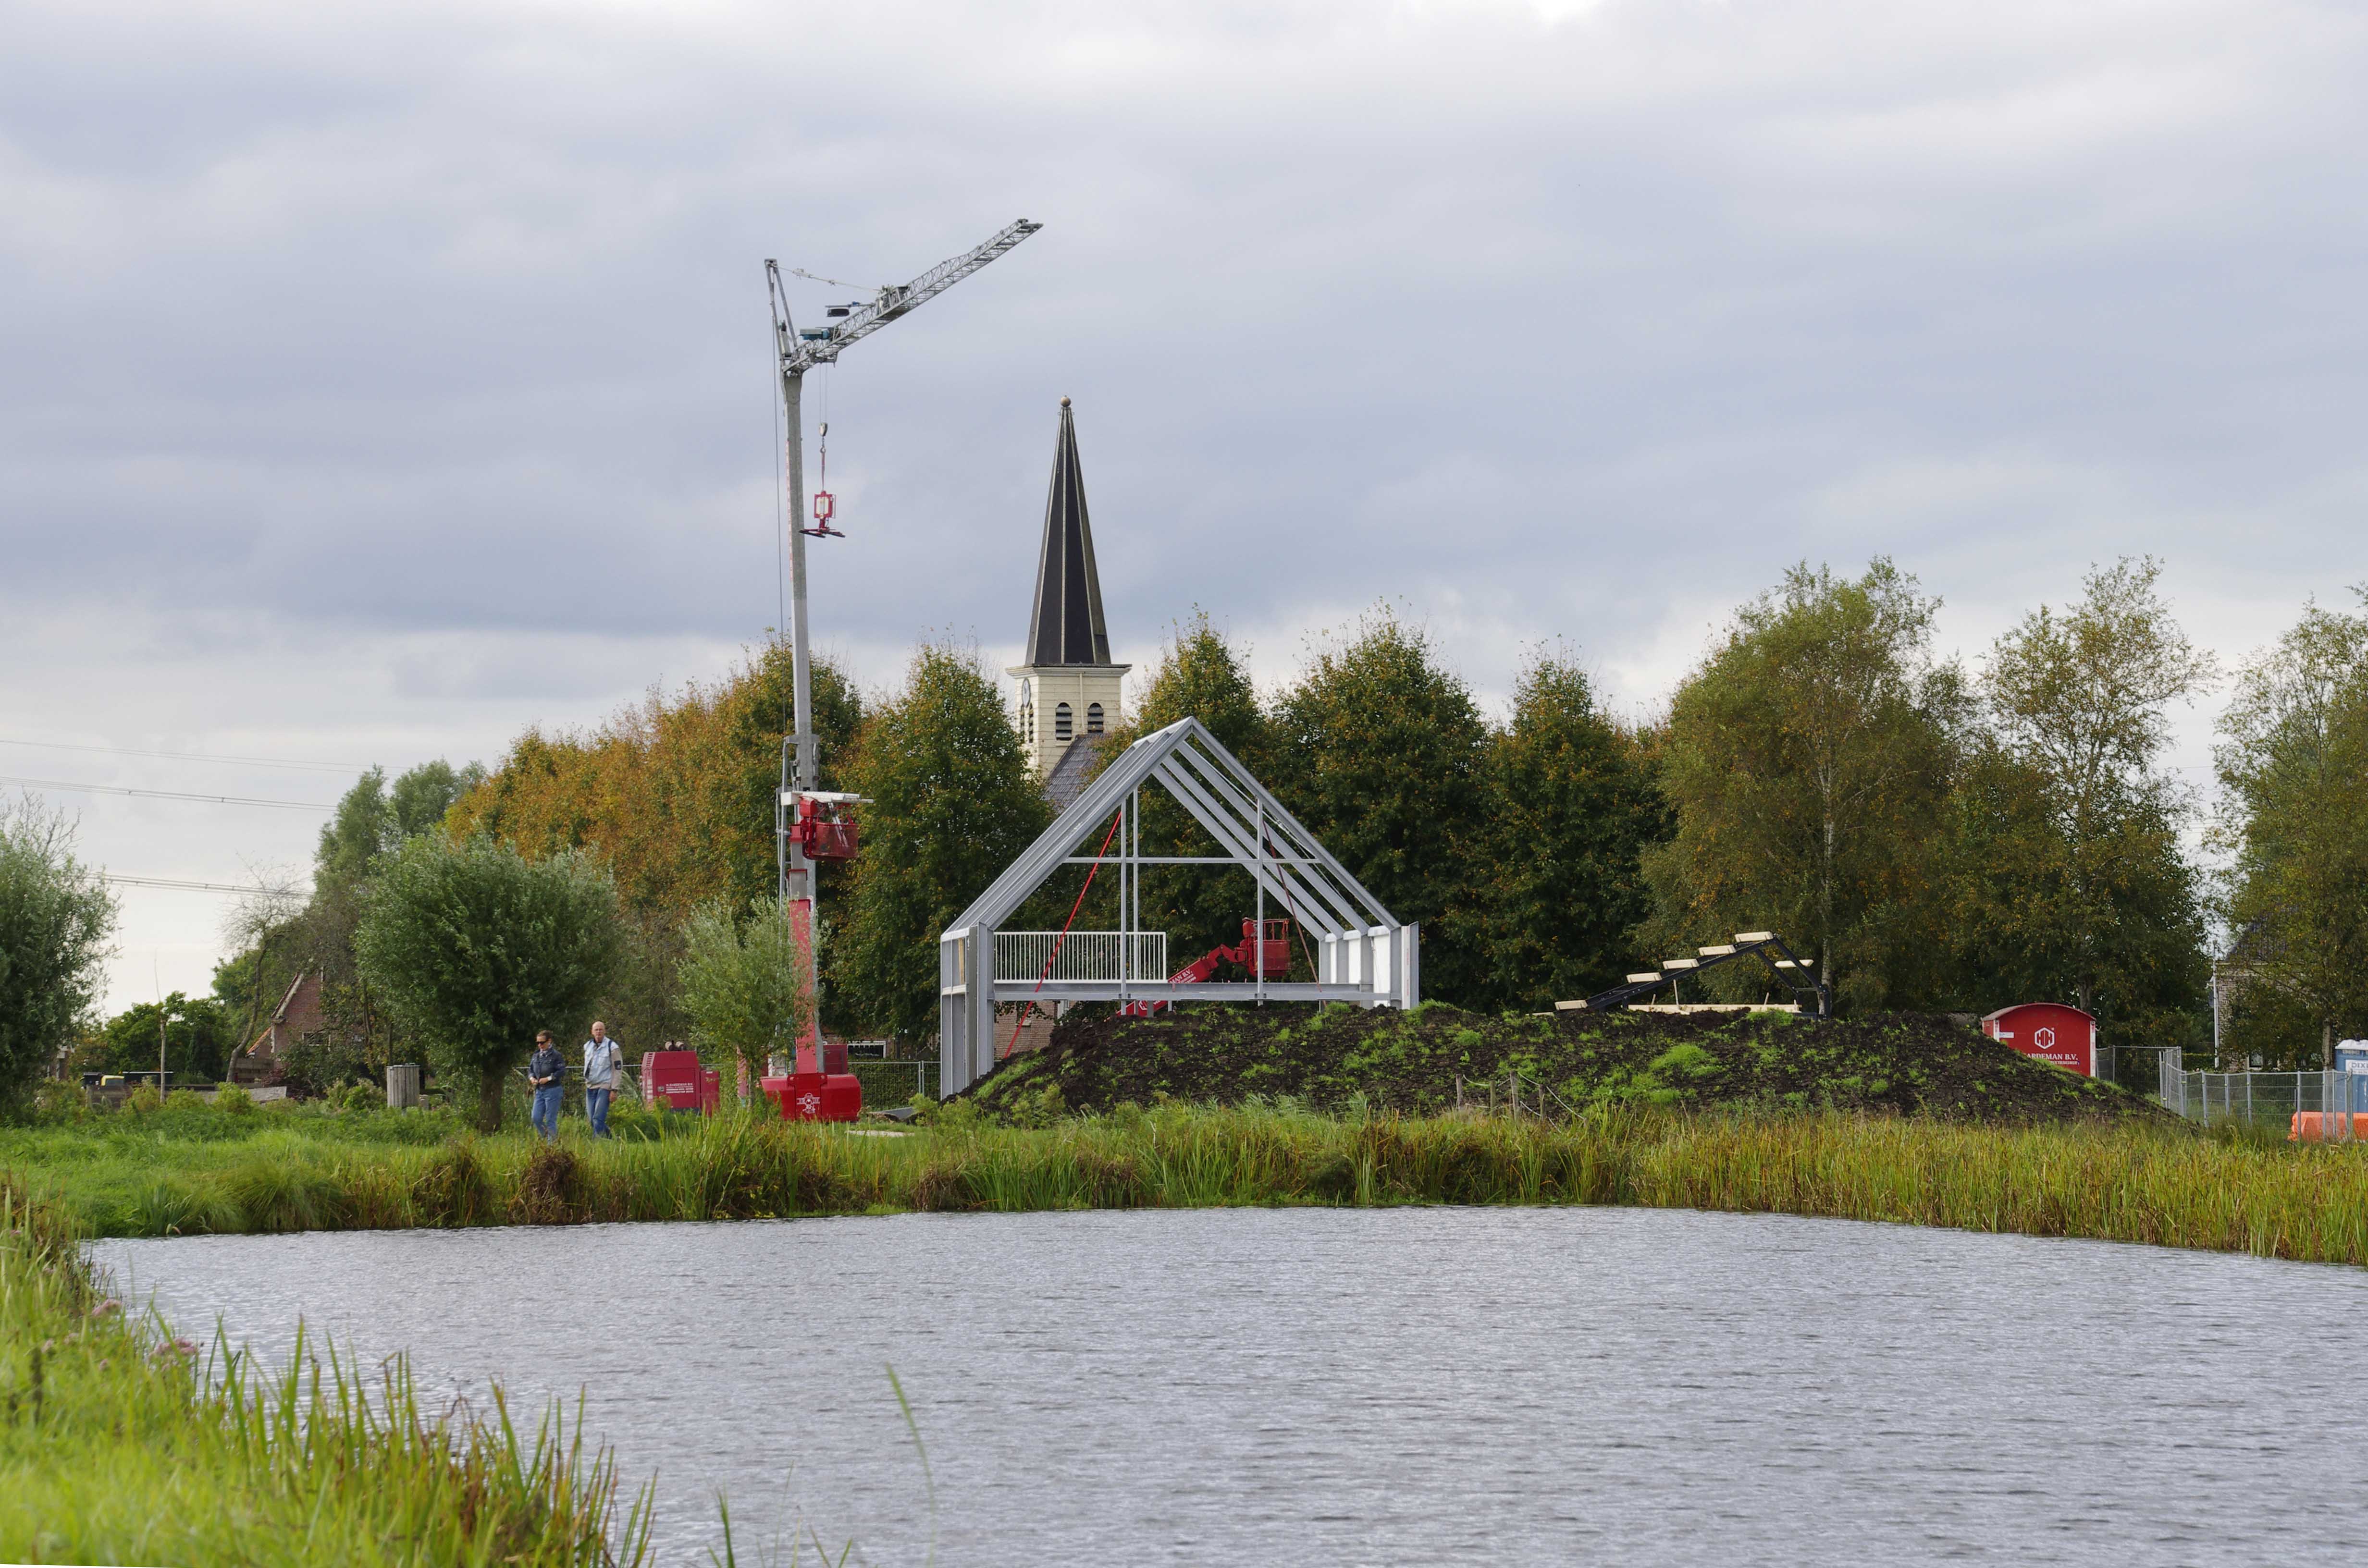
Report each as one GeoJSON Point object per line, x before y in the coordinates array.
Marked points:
{"type": "Point", "coordinates": [826, 505]}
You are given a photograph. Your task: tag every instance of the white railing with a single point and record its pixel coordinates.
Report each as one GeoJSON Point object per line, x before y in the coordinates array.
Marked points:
{"type": "Point", "coordinates": [1082, 955]}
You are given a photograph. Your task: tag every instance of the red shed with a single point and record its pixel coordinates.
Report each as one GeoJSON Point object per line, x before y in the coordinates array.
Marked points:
{"type": "Point", "coordinates": [2049, 1031]}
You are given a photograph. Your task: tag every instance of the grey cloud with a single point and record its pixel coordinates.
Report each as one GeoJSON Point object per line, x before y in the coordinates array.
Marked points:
{"type": "Point", "coordinates": [409, 339]}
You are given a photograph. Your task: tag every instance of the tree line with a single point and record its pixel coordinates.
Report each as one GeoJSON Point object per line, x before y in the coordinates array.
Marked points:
{"type": "Point", "coordinates": [1936, 834]}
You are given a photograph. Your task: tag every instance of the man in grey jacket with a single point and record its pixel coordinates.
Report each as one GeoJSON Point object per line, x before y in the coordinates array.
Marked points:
{"type": "Point", "coordinates": [601, 1056]}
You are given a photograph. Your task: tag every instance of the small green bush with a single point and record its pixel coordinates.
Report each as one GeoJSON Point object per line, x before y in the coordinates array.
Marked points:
{"type": "Point", "coordinates": [236, 1101]}
{"type": "Point", "coordinates": [357, 1098]}
{"type": "Point", "coordinates": [143, 1099]}
{"type": "Point", "coordinates": [184, 1099]}
{"type": "Point", "coordinates": [56, 1101]}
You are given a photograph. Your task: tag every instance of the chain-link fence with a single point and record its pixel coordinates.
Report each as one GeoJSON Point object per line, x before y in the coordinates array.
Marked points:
{"type": "Point", "coordinates": [893, 1082]}
{"type": "Point", "coordinates": [2337, 1102]}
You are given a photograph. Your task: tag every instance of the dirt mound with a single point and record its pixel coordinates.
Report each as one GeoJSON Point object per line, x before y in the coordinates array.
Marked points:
{"type": "Point", "coordinates": [1421, 1061]}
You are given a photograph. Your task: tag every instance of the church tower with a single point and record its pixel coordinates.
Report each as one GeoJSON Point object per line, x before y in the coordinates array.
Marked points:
{"type": "Point", "coordinates": [1068, 695]}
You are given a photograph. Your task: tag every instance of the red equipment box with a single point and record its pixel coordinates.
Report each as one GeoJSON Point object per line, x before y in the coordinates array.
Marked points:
{"type": "Point", "coordinates": [817, 1096]}
{"type": "Point", "coordinates": [676, 1080]}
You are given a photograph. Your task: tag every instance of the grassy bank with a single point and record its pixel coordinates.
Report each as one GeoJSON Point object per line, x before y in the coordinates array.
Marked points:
{"type": "Point", "coordinates": [121, 1444]}
{"type": "Point", "coordinates": [2123, 1181]}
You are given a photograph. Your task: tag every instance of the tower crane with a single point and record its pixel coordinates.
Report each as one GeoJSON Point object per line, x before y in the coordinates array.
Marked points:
{"type": "Point", "coordinates": [799, 829]}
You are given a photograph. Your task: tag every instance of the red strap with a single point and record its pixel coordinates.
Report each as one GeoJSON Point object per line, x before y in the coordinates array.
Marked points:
{"type": "Point", "coordinates": [1052, 957]}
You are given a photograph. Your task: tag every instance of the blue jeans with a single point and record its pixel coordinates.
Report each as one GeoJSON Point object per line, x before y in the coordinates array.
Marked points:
{"type": "Point", "coordinates": [546, 1112]}
{"type": "Point", "coordinates": [596, 1107]}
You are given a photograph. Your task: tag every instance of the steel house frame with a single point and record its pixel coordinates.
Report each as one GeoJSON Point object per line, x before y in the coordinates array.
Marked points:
{"type": "Point", "coordinates": [1367, 956]}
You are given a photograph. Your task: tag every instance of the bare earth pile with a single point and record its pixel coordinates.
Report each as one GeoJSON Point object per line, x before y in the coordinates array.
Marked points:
{"type": "Point", "coordinates": [1906, 1063]}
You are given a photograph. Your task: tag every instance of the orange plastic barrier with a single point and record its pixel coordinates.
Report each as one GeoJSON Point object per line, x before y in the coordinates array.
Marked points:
{"type": "Point", "coordinates": [2318, 1127]}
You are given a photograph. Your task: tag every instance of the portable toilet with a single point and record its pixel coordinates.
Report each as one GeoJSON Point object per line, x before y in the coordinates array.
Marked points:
{"type": "Point", "coordinates": [2351, 1055]}
{"type": "Point", "coordinates": [2050, 1031]}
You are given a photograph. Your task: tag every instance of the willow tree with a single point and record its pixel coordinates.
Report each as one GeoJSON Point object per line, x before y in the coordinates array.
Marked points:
{"type": "Point", "coordinates": [55, 918]}
{"type": "Point", "coordinates": [475, 948]}
{"type": "Point", "coordinates": [951, 803]}
{"type": "Point", "coordinates": [1808, 759]}
{"type": "Point", "coordinates": [2294, 772]}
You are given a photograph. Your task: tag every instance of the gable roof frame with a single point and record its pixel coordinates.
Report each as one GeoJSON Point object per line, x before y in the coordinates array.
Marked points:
{"type": "Point", "coordinates": [1369, 956]}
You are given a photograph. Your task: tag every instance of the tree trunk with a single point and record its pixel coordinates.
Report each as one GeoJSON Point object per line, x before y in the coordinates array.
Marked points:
{"type": "Point", "coordinates": [489, 1098]}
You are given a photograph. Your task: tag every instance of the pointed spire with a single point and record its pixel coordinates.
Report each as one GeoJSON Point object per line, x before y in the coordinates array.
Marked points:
{"type": "Point", "coordinates": [1067, 627]}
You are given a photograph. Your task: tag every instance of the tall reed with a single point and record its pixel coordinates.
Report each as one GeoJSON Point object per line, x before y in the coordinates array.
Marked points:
{"type": "Point", "coordinates": [122, 1444]}
{"type": "Point", "coordinates": [2169, 1185]}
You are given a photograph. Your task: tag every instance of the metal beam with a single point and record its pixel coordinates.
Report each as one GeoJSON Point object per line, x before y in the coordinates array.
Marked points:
{"type": "Point", "coordinates": [1161, 991]}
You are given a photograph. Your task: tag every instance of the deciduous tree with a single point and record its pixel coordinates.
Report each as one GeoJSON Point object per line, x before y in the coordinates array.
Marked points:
{"type": "Point", "coordinates": [952, 802]}
{"type": "Point", "coordinates": [475, 948]}
{"type": "Point", "coordinates": [1574, 805]}
{"type": "Point", "coordinates": [56, 918]}
{"type": "Point", "coordinates": [2294, 772]}
{"type": "Point", "coordinates": [1382, 753]}
{"type": "Point", "coordinates": [1200, 676]}
{"type": "Point", "coordinates": [1808, 759]}
{"type": "Point", "coordinates": [2073, 884]}
{"type": "Point", "coordinates": [676, 793]}
{"type": "Point", "coordinates": [744, 985]}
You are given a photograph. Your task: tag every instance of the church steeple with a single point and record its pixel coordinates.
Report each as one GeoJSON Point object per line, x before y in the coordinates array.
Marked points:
{"type": "Point", "coordinates": [1067, 627]}
{"type": "Point", "coordinates": [1068, 694]}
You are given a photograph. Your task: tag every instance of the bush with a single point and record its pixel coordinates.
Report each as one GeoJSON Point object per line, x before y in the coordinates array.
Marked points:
{"type": "Point", "coordinates": [184, 1099]}
{"type": "Point", "coordinates": [143, 1099]}
{"type": "Point", "coordinates": [358, 1096]}
{"type": "Point", "coordinates": [236, 1101]}
{"type": "Point", "coordinates": [55, 1101]}
{"type": "Point", "coordinates": [316, 1065]}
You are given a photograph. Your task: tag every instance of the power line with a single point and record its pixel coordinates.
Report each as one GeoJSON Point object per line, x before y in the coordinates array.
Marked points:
{"type": "Point", "coordinates": [189, 756]}
{"type": "Point", "coordinates": [181, 886]}
{"type": "Point", "coordinates": [164, 794]}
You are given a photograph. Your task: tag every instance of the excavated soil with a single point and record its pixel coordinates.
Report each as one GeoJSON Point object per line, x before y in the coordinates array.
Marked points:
{"type": "Point", "coordinates": [1417, 1063]}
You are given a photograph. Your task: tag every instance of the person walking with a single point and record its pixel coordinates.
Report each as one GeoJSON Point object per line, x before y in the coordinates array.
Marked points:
{"type": "Point", "coordinates": [601, 1056]}
{"type": "Point", "coordinates": [543, 1071]}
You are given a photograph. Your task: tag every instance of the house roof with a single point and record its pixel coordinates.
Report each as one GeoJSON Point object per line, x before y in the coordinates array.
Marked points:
{"type": "Point", "coordinates": [1066, 627]}
{"type": "Point", "coordinates": [1068, 778]}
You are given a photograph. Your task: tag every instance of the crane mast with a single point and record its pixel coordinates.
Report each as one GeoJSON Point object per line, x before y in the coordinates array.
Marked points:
{"type": "Point", "coordinates": [800, 350]}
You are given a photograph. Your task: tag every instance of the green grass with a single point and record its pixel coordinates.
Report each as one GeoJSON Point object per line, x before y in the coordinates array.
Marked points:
{"type": "Point", "coordinates": [121, 1444]}
{"type": "Point", "coordinates": [2168, 1185]}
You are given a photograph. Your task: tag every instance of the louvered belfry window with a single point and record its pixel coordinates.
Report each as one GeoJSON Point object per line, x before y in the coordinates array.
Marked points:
{"type": "Point", "coordinates": [1065, 724]}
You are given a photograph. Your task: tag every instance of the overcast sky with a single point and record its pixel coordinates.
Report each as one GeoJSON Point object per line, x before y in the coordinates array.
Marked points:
{"type": "Point", "coordinates": [378, 381]}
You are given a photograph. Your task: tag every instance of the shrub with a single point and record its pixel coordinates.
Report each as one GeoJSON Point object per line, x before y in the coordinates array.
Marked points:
{"type": "Point", "coordinates": [358, 1097]}
{"type": "Point", "coordinates": [55, 1100]}
{"type": "Point", "coordinates": [236, 1101]}
{"type": "Point", "coordinates": [184, 1099]}
{"type": "Point", "coordinates": [143, 1099]}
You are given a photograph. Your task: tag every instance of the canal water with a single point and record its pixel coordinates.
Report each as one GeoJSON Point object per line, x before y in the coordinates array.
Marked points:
{"type": "Point", "coordinates": [1413, 1385]}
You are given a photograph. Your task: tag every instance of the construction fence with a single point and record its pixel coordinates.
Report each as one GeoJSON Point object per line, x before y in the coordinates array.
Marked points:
{"type": "Point", "coordinates": [2269, 1099]}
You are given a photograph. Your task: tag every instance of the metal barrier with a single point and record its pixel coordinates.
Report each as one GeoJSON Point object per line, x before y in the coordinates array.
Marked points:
{"type": "Point", "coordinates": [1082, 955]}
{"type": "Point", "coordinates": [2267, 1099]}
